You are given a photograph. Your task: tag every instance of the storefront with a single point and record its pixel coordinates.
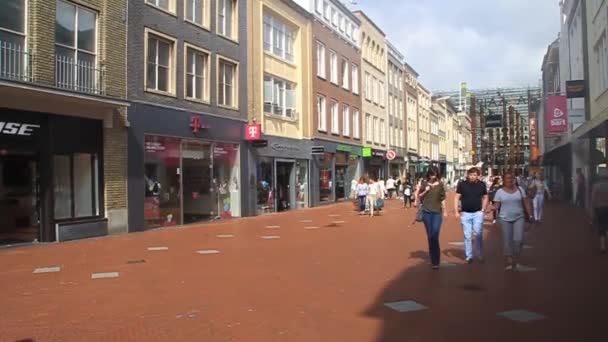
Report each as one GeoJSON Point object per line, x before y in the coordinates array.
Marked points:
{"type": "Point", "coordinates": [336, 168]}
{"type": "Point", "coordinates": [279, 175]}
{"type": "Point", "coordinates": [183, 168]}
{"type": "Point", "coordinates": [51, 177]}
{"type": "Point", "coordinates": [376, 165]}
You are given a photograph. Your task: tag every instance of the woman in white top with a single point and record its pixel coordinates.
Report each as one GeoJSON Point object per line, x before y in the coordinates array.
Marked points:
{"type": "Point", "coordinates": [372, 195]}
{"type": "Point", "coordinates": [599, 203]}
{"type": "Point", "coordinates": [509, 201]}
{"type": "Point", "coordinates": [539, 186]}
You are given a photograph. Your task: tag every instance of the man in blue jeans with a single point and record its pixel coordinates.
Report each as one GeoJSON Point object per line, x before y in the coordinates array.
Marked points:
{"type": "Point", "coordinates": [469, 204]}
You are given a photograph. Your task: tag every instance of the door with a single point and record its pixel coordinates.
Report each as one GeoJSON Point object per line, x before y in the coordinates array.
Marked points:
{"type": "Point", "coordinates": [285, 185]}
{"type": "Point", "coordinates": [199, 194]}
{"type": "Point", "coordinates": [340, 182]}
{"type": "Point", "coordinates": [19, 198]}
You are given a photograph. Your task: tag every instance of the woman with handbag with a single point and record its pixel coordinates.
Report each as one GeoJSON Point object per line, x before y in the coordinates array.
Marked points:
{"type": "Point", "coordinates": [599, 203]}
{"type": "Point", "coordinates": [372, 195]}
{"type": "Point", "coordinates": [432, 206]}
{"type": "Point", "coordinates": [514, 209]}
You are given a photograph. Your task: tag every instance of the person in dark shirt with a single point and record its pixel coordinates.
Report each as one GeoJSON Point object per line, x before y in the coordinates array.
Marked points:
{"type": "Point", "coordinates": [469, 205]}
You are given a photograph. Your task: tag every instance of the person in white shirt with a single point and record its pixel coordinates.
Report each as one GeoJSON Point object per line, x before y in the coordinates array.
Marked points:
{"type": "Point", "coordinates": [390, 187]}
{"type": "Point", "coordinates": [372, 195]}
{"type": "Point", "coordinates": [382, 189]}
{"type": "Point", "coordinates": [539, 187]}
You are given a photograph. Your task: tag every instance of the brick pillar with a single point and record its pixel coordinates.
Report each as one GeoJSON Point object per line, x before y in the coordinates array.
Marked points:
{"type": "Point", "coordinates": [115, 173]}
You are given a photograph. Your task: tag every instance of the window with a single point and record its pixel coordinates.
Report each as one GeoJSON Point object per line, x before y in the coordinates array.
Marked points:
{"type": "Point", "coordinates": [368, 128]}
{"type": "Point", "coordinates": [345, 121]}
{"type": "Point", "coordinates": [226, 12]}
{"type": "Point", "coordinates": [382, 132]}
{"type": "Point", "coordinates": [167, 5]}
{"type": "Point", "coordinates": [342, 23]}
{"type": "Point", "coordinates": [349, 30]}
{"type": "Point", "coordinates": [601, 60]}
{"type": "Point", "coordinates": [390, 104]}
{"type": "Point", "coordinates": [76, 48]}
{"type": "Point", "coordinates": [319, 6]}
{"type": "Point", "coordinates": [368, 86]}
{"type": "Point", "coordinates": [376, 131]}
{"type": "Point", "coordinates": [226, 75]}
{"type": "Point", "coordinates": [355, 78]}
{"type": "Point", "coordinates": [196, 12]}
{"type": "Point", "coordinates": [279, 38]}
{"type": "Point", "coordinates": [356, 129]}
{"type": "Point", "coordinates": [335, 120]}
{"type": "Point", "coordinates": [400, 81]}
{"type": "Point", "coordinates": [334, 17]}
{"type": "Point", "coordinates": [375, 89]}
{"type": "Point", "coordinates": [320, 60]}
{"type": "Point", "coordinates": [333, 66]}
{"type": "Point", "coordinates": [279, 97]}
{"type": "Point", "coordinates": [381, 93]}
{"type": "Point", "coordinates": [345, 74]}
{"type": "Point", "coordinates": [159, 66]}
{"type": "Point", "coordinates": [326, 11]}
{"type": "Point", "coordinates": [76, 185]}
{"type": "Point", "coordinates": [197, 74]}
{"type": "Point", "coordinates": [12, 39]}
{"type": "Point", "coordinates": [321, 113]}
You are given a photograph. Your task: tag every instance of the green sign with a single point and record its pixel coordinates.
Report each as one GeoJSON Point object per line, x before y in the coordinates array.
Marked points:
{"type": "Point", "coordinates": [366, 151]}
{"type": "Point", "coordinates": [343, 148]}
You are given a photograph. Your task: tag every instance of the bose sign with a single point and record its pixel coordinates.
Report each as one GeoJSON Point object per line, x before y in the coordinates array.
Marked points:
{"type": "Point", "coordinates": [15, 128]}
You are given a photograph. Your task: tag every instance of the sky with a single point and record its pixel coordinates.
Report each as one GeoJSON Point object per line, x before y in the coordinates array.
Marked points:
{"type": "Point", "coordinates": [486, 43]}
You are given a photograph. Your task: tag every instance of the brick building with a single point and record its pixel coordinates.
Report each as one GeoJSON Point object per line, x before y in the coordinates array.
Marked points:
{"type": "Point", "coordinates": [62, 119]}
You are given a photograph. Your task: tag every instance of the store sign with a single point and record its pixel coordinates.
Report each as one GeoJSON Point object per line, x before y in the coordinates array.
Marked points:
{"type": "Point", "coordinates": [533, 141]}
{"type": "Point", "coordinates": [556, 115]}
{"type": "Point", "coordinates": [344, 148]}
{"type": "Point", "coordinates": [366, 152]}
{"type": "Point", "coordinates": [390, 155]}
{"type": "Point", "coordinates": [154, 146]}
{"type": "Point", "coordinates": [16, 128]}
{"type": "Point", "coordinates": [414, 159]}
{"type": "Point", "coordinates": [575, 89]}
{"type": "Point", "coordinates": [253, 132]}
{"type": "Point", "coordinates": [493, 121]}
{"type": "Point", "coordinates": [282, 147]}
{"type": "Point", "coordinates": [196, 124]}
{"type": "Point", "coordinates": [379, 154]}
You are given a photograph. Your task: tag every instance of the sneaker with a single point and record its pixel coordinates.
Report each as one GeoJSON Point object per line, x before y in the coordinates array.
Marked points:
{"type": "Point", "coordinates": [509, 268]}
{"type": "Point", "coordinates": [469, 260]}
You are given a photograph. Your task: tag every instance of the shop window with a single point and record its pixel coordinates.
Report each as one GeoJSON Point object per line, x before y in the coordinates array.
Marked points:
{"type": "Point", "coordinates": [76, 185]}
{"type": "Point", "coordinates": [227, 179]}
{"type": "Point", "coordinates": [302, 184]}
{"type": "Point", "coordinates": [326, 178]}
{"type": "Point", "coordinates": [265, 193]}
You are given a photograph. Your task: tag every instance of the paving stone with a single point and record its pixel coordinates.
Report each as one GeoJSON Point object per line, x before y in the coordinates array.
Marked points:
{"type": "Point", "coordinates": [105, 275]}
{"type": "Point", "coordinates": [406, 306]}
{"type": "Point", "coordinates": [333, 215]}
{"type": "Point", "coordinates": [208, 251]}
{"type": "Point", "coordinates": [521, 316]}
{"type": "Point", "coordinates": [270, 237]}
{"type": "Point", "coordinates": [528, 247]}
{"type": "Point", "coordinates": [50, 269]}
{"type": "Point", "coordinates": [273, 227]}
{"type": "Point", "coordinates": [339, 222]}
{"type": "Point", "coordinates": [447, 264]}
{"type": "Point", "coordinates": [159, 248]}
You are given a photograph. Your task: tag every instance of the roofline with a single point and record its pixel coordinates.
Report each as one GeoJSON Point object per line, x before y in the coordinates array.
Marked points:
{"type": "Point", "coordinates": [346, 10]}
{"type": "Point", "coordinates": [392, 47]}
{"type": "Point", "coordinates": [407, 65]}
{"type": "Point", "coordinates": [370, 21]}
{"type": "Point", "coordinates": [294, 5]}
{"type": "Point", "coordinates": [423, 88]}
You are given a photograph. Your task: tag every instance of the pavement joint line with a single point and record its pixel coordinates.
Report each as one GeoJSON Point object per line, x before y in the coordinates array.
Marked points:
{"type": "Point", "coordinates": [224, 236]}
{"type": "Point", "coordinates": [272, 227]}
{"type": "Point", "coordinates": [305, 221]}
{"type": "Point", "coordinates": [528, 247]}
{"type": "Point", "coordinates": [456, 243]}
{"type": "Point", "coordinates": [334, 215]}
{"type": "Point", "coordinates": [405, 306]}
{"type": "Point", "coordinates": [270, 237]}
{"type": "Point", "coordinates": [159, 248]}
{"type": "Point", "coordinates": [521, 268]}
{"type": "Point", "coordinates": [339, 222]}
{"type": "Point", "coordinates": [104, 275]}
{"type": "Point", "coordinates": [48, 269]}
{"type": "Point", "coordinates": [310, 228]}
{"type": "Point", "coordinates": [136, 261]}
{"type": "Point", "coordinates": [208, 251]}
{"type": "Point", "coordinates": [522, 316]}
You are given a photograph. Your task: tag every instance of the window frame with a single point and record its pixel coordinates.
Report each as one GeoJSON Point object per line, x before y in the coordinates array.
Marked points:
{"type": "Point", "coordinates": [25, 32]}
{"type": "Point", "coordinates": [354, 69]}
{"type": "Point", "coordinates": [235, 84]}
{"type": "Point", "coordinates": [97, 183]}
{"type": "Point", "coordinates": [206, 79]}
{"type": "Point", "coordinates": [356, 123]}
{"type": "Point", "coordinates": [206, 15]}
{"type": "Point", "coordinates": [335, 119]}
{"type": "Point", "coordinates": [322, 116]}
{"type": "Point", "coordinates": [288, 32]}
{"type": "Point", "coordinates": [321, 62]}
{"type": "Point", "coordinates": [369, 128]}
{"type": "Point", "coordinates": [235, 21]}
{"type": "Point", "coordinates": [173, 63]}
{"type": "Point", "coordinates": [345, 74]}
{"type": "Point", "coordinates": [172, 6]}
{"type": "Point", "coordinates": [333, 57]}
{"type": "Point", "coordinates": [274, 80]}
{"type": "Point", "coordinates": [345, 120]}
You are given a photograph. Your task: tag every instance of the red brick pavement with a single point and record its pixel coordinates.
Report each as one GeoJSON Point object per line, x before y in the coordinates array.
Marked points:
{"type": "Point", "coordinates": [327, 284]}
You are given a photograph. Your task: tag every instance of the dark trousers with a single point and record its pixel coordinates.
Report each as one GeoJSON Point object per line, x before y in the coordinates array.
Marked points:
{"type": "Point", "coordinates": [432, 223]}
{"type": "Point", "coordinates": [361, 200]}
{"type": "Point", "coordinates": [407, 201]}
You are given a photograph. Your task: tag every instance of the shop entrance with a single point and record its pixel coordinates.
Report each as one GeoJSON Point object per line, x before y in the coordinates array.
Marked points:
{"type": "Point", "coordinates": [285, 184]}
{"type": "Point", "coordinates": [19, 197]}
{"type": "Point", "coordinates": [341, 182]}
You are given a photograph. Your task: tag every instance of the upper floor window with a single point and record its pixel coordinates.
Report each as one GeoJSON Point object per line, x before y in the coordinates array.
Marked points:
{"type": "Point", "coordinates": [227, 83]}
{"type": "Point", "coordinates": [355, 78]}
{"type": "Point", "coordinates": [319, 6]}
{"type": "Point", "coordinates": [279, 38]}
{"type": "Point", "coordinates": [12, 39]}
{"type": "Point", "coordinates": [321, 113]}
{"type": "Point", "coordinates": [76, 47]}
{"type": "Point", "coordinates": [227, 18]}
{"type": "Point", "coordinates": [279, 97]}
{"type": "Point", "coordinates": [345, 74]}
{"type": "Point", "coordinates": [159, 63]}
{"type": "Point", "coordinates": [349, 30]}
{"type": "Point", "coordinates": [368, 86]}
{"type": "Point", "coordinates": [356, 119]}
{"type": "Point", "coordinates": [600, 51]}
{"type": "Point", "coordinates": [320, 60]}
{"type": "Point", "coordinates": [345, 121]}
{"type": "Point", "coordinates": [196, 12]}
{"type": "Point", "coordinates": [197, 74]}
{"type": "Point", "coordinates": [342, 23]}
{"type": "Point", "coordinates": [333, 66]}
{"type": "Point", "coordinates": [335, 120]}
{"type": "Point", "coordinates": [167, 5]}
{"type": "Point", "coordinates": [334, 17]}
{"type": "Point", "coordinates": [326, 11]}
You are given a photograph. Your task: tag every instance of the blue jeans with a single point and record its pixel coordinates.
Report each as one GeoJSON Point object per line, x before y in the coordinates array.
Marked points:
{"type": "Point", "coordinates": [432, 223]}
{"type": "Point", "coordinates": [361, 200]}
{"type": "Point", "coordinates": [472, 223]}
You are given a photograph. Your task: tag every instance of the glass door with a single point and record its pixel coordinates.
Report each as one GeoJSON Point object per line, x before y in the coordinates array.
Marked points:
{"type": "Point", "coordinates": [302, 184]}
{"type": "Point", "coordinates": [200, 200]}
{"type": "Point", "coordinates": [285, 184]}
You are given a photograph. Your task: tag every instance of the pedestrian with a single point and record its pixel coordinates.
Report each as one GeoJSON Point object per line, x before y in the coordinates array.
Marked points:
{"type": "Point", "coordinates": [433, 205]}
{"type": "Point", "coordinates": [382, 187]}
{"type": "Point", "coordinates": [372, 195]}
{"type": "Point", "coordinates": [362, 191]}
{"type": "Point", "coordinates": [491, 194]}
{"type": "Point", "coordinates": [539, 187]}
{"type": "Point", "coordinates": [599, 202]}
{"type": "Point", "coordinates": [407, 194]}
{"type": "Point", "coordinates": [470, 205]}
{"type": "Point", "coordinates": [580, 188]}
{"type": "Point", "coordinates": [514, 206]}
{"type": "Point", "coordinates": [390, 187]}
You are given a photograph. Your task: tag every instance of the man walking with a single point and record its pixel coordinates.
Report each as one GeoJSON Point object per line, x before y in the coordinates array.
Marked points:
{"type": "Point", "coordinates": [472, 198]}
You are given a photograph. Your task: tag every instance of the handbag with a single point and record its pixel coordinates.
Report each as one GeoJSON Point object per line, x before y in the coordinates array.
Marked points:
{"type": "Point", "coordinates": [420, 213]}
{"type": "Point", "coordinates": [379, 204]}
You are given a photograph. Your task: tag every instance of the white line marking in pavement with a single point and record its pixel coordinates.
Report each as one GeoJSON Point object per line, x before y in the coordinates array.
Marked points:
{"type": "Point", "coordinates": [521, 316]}
{"type": "Point", "coordinates": [447, 264]}
{"type": "Point", "coordinates": [333, 215]}
{"type": "Point", "coordinates": [456, 243]}
{"type": "Point", "coordinates": [406, 306]}
{"type": "Point", "coordinates": [273, 227]}
{"type": "Point", "coordinates": [522, 268]}
{"type": "Point", "coordinates": [305, 221]}
{"type": "Point", "coordinates": [270, 237]}
{"type": "Point", "coordinates": [339, 222]}
{"type": "Point", "coordinates": [310, 228]}
{"type": "Point", "coordinates": [223, 236]}
{"type": "Point", "coordinates": [104, 275]}
{"type": "Point", "coordinates": [208, 251]}
{"type": "Point", "coordinates": [161, 248]}
{"type": "Point", "coordinates": [49, 269]}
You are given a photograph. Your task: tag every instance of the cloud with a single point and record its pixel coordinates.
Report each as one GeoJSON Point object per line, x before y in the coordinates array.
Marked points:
{"type": "Point", "coordinates": [497, 43]}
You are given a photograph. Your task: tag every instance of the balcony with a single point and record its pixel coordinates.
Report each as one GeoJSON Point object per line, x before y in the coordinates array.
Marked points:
{"type": "Point", "coordinates": [18, 64]}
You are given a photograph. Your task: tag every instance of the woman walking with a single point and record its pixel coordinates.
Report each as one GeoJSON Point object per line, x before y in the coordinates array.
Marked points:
{"type": "Point", "coordinates": [514, 207]}
{"type": "Point", "coordinates": [407, 194]}
{"type": "Point", "coordinates": [362, 190]}
{"type": "Point", "coordinates": [372, 195]}
{"type": "Point", "coordinates": [433, 205]}
{"type": "Point", "coordinates": [599, 201]}
{"type": "Point", "coordinates": [492, 193]}
{"type": "Point", "coordinates": [539, 186]}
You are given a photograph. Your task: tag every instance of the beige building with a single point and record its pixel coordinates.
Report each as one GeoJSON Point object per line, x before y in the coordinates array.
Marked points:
{"type": "Point", "coordinates": [412, 136]}
{"type": "Point", "coordinates": [465, 143]}
{"type": "Point", "coordinates": [424, 122]}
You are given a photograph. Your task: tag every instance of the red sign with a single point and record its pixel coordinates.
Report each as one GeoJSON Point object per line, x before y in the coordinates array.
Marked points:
{"type": "Point", "coordinates": [556, 114]}
{"type": "Point", "coordinates": [196, 124]}
{"type": "Point", "coordinates": [253, 132]}
{"type": "Point", "coordinates": [390, 155]}
{"type": "Point", "coordinates": [533, 141]}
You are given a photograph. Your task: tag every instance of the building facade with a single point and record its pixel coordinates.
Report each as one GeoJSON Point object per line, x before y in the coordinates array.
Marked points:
{"type": "Point", "coordinates": [412, 135]}
{"type": "Point", "coordinates": [187, 69]}
{"type": "Point", "coordinates": [424, 128]}
{"type": "Point", "coordinates": [280, 93]}
{"type": "Point", "coordinates": [63, 120]}
{"type": "Point", "coordinates": [373, 74]}
{"type": "Point", "coordinates": [396, 110]}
